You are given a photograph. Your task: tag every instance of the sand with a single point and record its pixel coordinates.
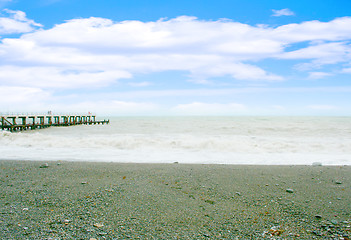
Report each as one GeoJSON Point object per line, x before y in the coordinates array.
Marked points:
{"type": "Point", "coordinates": [85, 200]}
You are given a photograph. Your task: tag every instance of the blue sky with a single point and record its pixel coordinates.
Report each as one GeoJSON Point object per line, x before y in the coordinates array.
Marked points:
{"type": "Point", "coordinates": [260, 57]}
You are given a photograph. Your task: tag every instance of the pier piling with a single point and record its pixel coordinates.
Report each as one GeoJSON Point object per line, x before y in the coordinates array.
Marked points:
{"type": "Point", "coordinates": [15, 123]}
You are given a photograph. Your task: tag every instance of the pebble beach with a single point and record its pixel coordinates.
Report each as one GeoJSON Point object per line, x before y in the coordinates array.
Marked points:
{"type": "Point", "coordinates": [89, 200]}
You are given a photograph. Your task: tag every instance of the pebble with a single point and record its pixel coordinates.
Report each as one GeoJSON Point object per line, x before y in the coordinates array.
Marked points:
{"type": "Point", "coordinates": [289, 190]}
{"type": "Point", "coordinates": [318, 216]}
{"type": "Point", "coordinates": [98, 225]}
{"type": "Point", "coordinates": [66, 221]}
{"type": "Point", "coordinates": [45, 165]}
{"type": "Point", "coordinates": [25, 209]}
{"type": "Point", "coordinates": [238, 193]}
{"type": "Point", "coordinates": [338, 182]}
{"type": "Point", "coordinates": [84, 182]}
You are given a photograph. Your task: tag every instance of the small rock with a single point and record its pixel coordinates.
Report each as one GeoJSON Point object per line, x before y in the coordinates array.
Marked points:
{"type": "Point", "coordinates": [317, 164]}
{"type": "Point", "coordinates": [66, 221]}
{"type": "Point", "coordinates": [338, 182]}
{"type": "Point", "coordinates": [289, 190]}
{"type": "Point", "coordinates": [45, 165]}
{"type": "Point", "coordinates": [98, 225]}
{"type": "Point", "coordinates": [92, 239]}
{"type": "Point", "coordinates": [25, 209]}
{"type": "Point", "coordinates": [318, 216]}
{"type": "Point", "coordinates": [25, 228]}
{"type": "Point", "coordinates": [238, 193]}
{"type": "Point", "coordinates": [84, 182]}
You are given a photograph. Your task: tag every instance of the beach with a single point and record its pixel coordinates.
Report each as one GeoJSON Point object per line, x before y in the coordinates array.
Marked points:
{"type": "Point", "coordinates": [89, 200]}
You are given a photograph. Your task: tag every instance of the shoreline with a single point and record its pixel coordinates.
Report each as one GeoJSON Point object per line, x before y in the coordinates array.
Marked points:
{"type": "Point", "coordinates": [240, 163]}
{"type": "Point", "coordinates": [105, 200]}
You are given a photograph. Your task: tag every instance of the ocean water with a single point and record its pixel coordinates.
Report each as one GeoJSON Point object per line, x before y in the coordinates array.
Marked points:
{"type": "Point", "coordinates": [217, 140]}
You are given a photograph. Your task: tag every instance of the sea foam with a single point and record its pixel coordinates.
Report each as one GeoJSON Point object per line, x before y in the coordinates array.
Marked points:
{"type": "Point", "coordinates": [220, 140]}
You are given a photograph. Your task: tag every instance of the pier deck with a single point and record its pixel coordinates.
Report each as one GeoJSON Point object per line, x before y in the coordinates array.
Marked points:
{"type": "Point", "coordinates": [15, 123]}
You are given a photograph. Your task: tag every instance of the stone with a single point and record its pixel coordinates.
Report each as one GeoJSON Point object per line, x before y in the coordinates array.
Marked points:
{"type": "Point", "coordinates": [45, 165]}
{"type": "Point", "coordinates": [338, 182]}
{"type": "Point", "coordinates": [289, 190]}
{"type": "Point", "coordinates": [66, 221]}
{"type": "Point", "coordinates": [98, 225]}
{"type": "Point", "coordinates": [318, 216]}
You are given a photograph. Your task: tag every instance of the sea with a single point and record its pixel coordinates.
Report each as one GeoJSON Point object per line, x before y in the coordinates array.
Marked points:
{"type": "Point", "coordinates": [197, 140]}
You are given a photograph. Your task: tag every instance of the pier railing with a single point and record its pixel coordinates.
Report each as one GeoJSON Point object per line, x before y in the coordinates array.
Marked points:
{"type": "Point", "coordinates": [21, 122]}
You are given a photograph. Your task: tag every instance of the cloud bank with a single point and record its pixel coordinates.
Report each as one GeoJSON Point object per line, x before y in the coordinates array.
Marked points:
{"type": "Point", "coordinates": [93, 53]}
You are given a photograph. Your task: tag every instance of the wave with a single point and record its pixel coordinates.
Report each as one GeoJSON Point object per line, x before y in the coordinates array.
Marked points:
{"type": "Point", "coordinates": [191, 140]}
{"type": "Point", "coordinates": [220, 143]}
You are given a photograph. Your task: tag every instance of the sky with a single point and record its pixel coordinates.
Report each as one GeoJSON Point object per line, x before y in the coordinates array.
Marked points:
{"type": "Point", "coordinates": [141, 58]}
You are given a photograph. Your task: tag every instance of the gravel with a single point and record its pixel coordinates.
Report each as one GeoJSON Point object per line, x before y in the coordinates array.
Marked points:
{"type": "Point", "coordinates": [85, 200]}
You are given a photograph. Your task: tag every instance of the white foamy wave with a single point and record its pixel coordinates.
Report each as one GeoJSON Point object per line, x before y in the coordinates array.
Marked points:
{"type": "Point", "coordinates": [238, 144]}
{"type": "Point", "coordinates": [220, 140]}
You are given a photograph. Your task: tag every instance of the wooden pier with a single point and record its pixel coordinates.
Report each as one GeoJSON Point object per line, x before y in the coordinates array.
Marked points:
{"type": "Point", "coordinates": [15, 123]}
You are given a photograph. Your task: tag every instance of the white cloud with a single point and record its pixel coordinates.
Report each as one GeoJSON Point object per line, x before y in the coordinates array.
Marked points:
{"type": "Point", "coordinates": [321, 54]}
{"type": "Point", "coordinates": [16, 22]}
{"type": "Point", "coordinates": [236, 70]}
{"type": "Point", "coordinates": [53, 77]}
{"type": "Point", "coordinates": [102, 51]}
{"type": "Point", "coordinates": [282, 12]}
{"type": "Point", "coordinates": [318, 75]}
{"type": "Point", "coordinates": [200, 108]}
{"type": "Point", "coordinates": [23, 99]}
{"type": "Point", "coordinates": [109, 107]}
{"type": "Point", "coordinates": [21, 94]}
{"type": "Point", "coordinates": [140, 84]}
{"type": "Point", "coordinates": [97, 52]}
{"type": "Point", "coordinates": [346, 70]}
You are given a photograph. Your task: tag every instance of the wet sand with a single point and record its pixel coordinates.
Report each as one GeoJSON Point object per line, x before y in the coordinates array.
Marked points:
{"type": "Point", "coordinates": [85, 200]}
